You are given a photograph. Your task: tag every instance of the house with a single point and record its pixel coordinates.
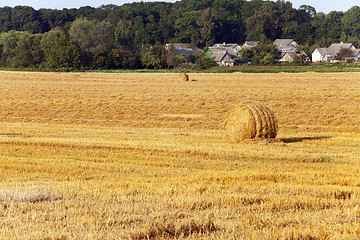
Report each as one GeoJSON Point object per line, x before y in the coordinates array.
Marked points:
{"type": "Point", "coordinates": [231, 48]}
{"type": "Point", "coordinates": [328, 54]}
{"type": "Point", "coordinates": [223, 58]}
{"type": "Point", "coordinates": [288, 50]}
{"type": "Point", "coordinates": [357, 55]}
{"type": "Point", "coordinates": [289, 56]}
{"type": "Point", "coordinates": [285, 45]}
{"type": "Point", "coordinates": [322, 55]}
{"type": "Point", "coordinates": [224, 54]}
{"type": "Point", "coordinates": [249, 44]}
{"type": "Point", "coordinates": [182, 48]}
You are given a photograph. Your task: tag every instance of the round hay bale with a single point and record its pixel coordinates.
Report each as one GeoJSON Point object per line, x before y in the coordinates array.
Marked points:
{"type": "Point", "coordinates": [183, 77]}
{"type": "Point", "coordinates": [251, 121]}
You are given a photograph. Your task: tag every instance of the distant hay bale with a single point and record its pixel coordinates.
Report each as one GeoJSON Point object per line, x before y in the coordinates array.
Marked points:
{"type": "Point", "coordinates": [183, 77]}
{"type": "Point", "coordinates": [251, 121]}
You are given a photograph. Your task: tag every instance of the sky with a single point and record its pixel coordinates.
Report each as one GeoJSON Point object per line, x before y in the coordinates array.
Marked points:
{"type": "Point", "coordinates": [324, 6]}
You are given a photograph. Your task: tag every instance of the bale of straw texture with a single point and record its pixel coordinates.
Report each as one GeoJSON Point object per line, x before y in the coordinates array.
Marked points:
{"type": "Point", "coordinates": [251, 121]}
{"type": "Point", "coordinates": [183, 77]}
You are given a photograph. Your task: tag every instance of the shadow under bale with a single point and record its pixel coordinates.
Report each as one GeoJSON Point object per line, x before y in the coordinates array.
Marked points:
{"type": "Point", "coordinates": [300, 139]}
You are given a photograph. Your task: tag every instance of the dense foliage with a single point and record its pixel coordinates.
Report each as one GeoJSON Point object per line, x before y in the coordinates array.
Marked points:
{"type": "Point", "coordinates": [133, 35]}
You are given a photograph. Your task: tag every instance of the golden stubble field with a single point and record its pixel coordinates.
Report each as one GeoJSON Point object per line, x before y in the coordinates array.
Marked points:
{"type": "Point", "coordinates": [143, 156]}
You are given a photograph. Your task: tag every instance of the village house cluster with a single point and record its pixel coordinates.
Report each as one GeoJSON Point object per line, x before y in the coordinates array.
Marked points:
{"type": "Point", "coordinates": [226, 54]}
{"type": "Point", "coordinates": [328, 54]}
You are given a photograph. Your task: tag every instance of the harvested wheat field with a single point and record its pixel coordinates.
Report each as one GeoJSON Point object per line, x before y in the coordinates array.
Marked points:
{"type": "Point", "coordinates": [146, 156]}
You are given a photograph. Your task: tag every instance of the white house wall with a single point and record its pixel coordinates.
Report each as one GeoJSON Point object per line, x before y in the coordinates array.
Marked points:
{"type": "Point", "coordinates": [316, 56]}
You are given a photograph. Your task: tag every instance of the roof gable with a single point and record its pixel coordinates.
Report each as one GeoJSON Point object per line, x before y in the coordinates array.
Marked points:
{"type": "Point", "coordinates": [222, 56]}
{"type": "Point", "coordinates": [285, 42]}
{"type": "Point", "coordinates": [230, 50]}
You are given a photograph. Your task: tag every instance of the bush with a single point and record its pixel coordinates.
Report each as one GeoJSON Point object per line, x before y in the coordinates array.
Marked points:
{"type": "Point", "coordinates": [202, 62]}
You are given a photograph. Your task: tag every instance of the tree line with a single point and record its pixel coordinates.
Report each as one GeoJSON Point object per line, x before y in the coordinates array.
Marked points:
{"type": "Point", "coordinates": [133, 35]}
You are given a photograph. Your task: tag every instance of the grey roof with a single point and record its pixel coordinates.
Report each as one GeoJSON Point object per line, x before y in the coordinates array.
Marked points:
{"type": "Point", "coordinates": [233, 45]}
{"type": "Point", "coordinates": [283, 48]}
{"type": "Point", "coordinates": [222, 56]}
{"type": "Point", "coordinates": [325, 51]}
{"type": "Point", "coordinates": [178, 45]}
{"type": "Point", "coordinates": [303, 53]}
{"type": "Point", "coordinates": [284, 42]}
{"type": "Point", "coordinates": [290, 54]}
{"type": "Point", "coordinates": [285, 45]}
{"type": "Point", "coordinates": [356, 52]}
{"type": "Point", "coordinates": [230, 50]}
{"type": "Point", "coordinates": [184, 51]}
{"type": "Point", "coordinates": [250, 44]}
{"type": "Point", "coordinates": [335, 48]}
{"type": "Point", "coordinates": [183, 48]}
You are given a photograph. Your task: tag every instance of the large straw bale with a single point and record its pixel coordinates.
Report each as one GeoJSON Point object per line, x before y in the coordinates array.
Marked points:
{"type": "Point", "coordinates": [183, 77]}
{"type": "Point", "coordinates": [251, 121]}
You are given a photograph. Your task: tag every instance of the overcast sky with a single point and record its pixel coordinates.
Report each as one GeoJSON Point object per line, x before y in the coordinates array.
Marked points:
{"type": "Point", "coordinates": [320, 5]}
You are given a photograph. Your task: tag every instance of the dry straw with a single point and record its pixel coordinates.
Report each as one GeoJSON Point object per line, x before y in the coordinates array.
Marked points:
{"type": "Point", "coordinates": [251, 121]}
{"type": "Point", "coordinates": [183, 77]}
{"type": "Point", "coordinates": [27, 195]}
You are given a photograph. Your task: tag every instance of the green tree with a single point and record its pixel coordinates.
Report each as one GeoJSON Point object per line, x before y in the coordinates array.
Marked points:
{"type": "Point", "coordinates": [193, 5]}
{"type": "Point", "coordinates": [320, 34]}
{"type": "Point", "coordinates": [246, 55]}
{"type": "Point", "coordinates": [351, 24]}
{"type": "Point", "coordinates": [299, 60]}
{"type": "Point", "coordinates": [250, 7]}
{"type": "Point", "coordinates": [141, 35]}
{"type": "Point", "coordinates": [20, 49]}
{"type": "Point", "coordinates": [59, 51]}
{"type": "Point", "coordinates": [123, 59]}
{"type": "Point", "coordinates": [52, 19]}
{"type": "Point", "coordinates": [207, 27]}
{"type": "Point", "coordinates": [5, 19]}
{"type": "Point", "coordinates": [28, 52]}
{"type": "Point", "coordinates": [273, 20]}
{"type": "Point", "coordinates": [171, 57]}
{"type": "Point", "coordinates": [154, 57]}
{"type": "Point", "coordinates": [202, 62]}
{"type": "Point", "coordinates": [230, 20]}
{"type": "Point", "coordinates": [25, 19]}
{"type": "Point", "coordinates": [308, 10]}
{"type": "Point", "coordinates": [265, 52]}
{"type": "Point", "coordinates": [125, 34]}
{"type": "Point", "coordinates": [333, 26]}
{"type": "Point", "coordinates": [8, 42]}
{"type": "Point", "coordinates": [91, 13]}
{"type": "Point", "coordinates": [187, 28]}
{"type": "Point", "coordinates": [344, 54]}
{"type": "Point", "coordinates": [93, 38]}
{"type": "Point", "coordinates": [305, 33]}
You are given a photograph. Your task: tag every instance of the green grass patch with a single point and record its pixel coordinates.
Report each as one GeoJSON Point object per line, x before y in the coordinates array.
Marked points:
{"type": "Point", "coordinates": [245, 68]}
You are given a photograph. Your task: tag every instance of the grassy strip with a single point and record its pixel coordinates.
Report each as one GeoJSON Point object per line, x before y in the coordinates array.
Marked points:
{"type": "Point", "coordinates": [288, 68]}
{"type": "Point", "coordinates": [330, 67]}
